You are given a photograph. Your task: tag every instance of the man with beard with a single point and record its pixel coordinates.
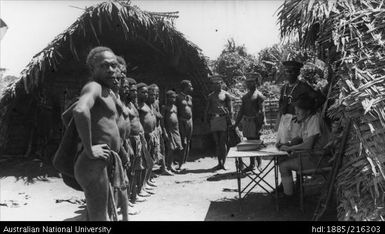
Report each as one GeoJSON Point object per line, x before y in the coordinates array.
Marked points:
{"type": "Point", "coordinates": [184, 105]}
{"type": "Point", "coordinates": [95, 116]}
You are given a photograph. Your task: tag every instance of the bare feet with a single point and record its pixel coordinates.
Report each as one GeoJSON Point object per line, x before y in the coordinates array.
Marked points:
{"type": "Point", "coordinates": [133, 211]}
{"type": "Point", "coordinates": [152, 184]}
{"type": "Point", "coordinates": [140, 199]}
{"type": "Point", "coordinates": [143, 193]}
{"type": "Point", "coordinates": [167, 172]}
{"type": "Point", "coordinates": [217, 167]}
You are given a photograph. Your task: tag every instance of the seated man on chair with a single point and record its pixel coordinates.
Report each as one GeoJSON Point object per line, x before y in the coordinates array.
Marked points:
{"type": "Point", "coordinates": [312, 135]}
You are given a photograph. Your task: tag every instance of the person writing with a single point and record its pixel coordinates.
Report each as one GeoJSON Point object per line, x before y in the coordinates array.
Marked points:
{"type": "Point", "coordinates": [312, 135]}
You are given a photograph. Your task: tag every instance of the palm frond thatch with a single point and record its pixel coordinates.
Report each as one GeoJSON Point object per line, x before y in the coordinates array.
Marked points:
{"type": "Point", "coordinates": [350, 33]}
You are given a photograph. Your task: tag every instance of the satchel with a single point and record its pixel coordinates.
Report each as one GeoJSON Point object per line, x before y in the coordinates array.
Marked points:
{"type": "Point", "coordinates": [234, 137]}
{"type": "Point", "coordinates": [66, 154]}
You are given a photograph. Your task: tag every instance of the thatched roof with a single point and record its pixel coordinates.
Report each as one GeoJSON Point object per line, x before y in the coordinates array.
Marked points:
{"type": "Point", "coordinates": [144, 38]}
{"type": "Point", "coordinates": [350, 33]}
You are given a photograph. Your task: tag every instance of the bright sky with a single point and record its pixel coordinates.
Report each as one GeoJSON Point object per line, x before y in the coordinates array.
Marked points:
{"type": "Point", "coordinates": [208, 24]}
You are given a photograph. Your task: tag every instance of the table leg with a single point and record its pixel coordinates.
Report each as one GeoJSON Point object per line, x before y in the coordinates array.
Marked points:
{"type": "Point", "coordinates": [238, 169]}
{"type": "Point", "coordinates": [276, 182]}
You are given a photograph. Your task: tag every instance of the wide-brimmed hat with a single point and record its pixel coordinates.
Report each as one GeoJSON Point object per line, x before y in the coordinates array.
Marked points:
{"type": "Point", "coordinates": [305, 101]}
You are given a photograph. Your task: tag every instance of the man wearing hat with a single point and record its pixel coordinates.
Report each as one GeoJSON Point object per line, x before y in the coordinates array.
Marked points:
{"type": "Point", "coordinates": [251, 113]}
{"type": "Point", "coordinates": [311, 135]}
{"type": "Point", "coordinates": [290, 92]}
{"type": "Point", "coordinates": [218, 114]}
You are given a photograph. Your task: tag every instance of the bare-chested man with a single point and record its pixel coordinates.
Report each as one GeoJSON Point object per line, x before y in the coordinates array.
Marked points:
{"type": "Point", "coordinates": [218, 114]}
{"type": "Point", "coordinates": [153, 102]}
{"type": "Point", "coordinates": [137, 142]}
{"type": "Point", "coordinates": [95, 116]}
{"type": "Point", "coordinates": [127, 152]}
{"type": "Point", "coordinates": [171, 133]}
{"type": "Point", "coordinates": [184, 105]}
{"type": "Point", "coordinates": [251, 113]}
{"type": "Point", "coordinates": [148, 121]}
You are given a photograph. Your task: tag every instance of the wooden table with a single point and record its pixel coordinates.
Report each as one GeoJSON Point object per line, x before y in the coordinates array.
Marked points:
{"type": "Point", "coordinates": [257, 177]}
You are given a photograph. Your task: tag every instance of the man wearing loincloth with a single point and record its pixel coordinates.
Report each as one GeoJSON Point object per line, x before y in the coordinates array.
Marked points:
{"type": "Point", "coordinates": [184, 105]}
{"type": "Point", "coordinates": [137, 141]}
{"type": "Point", "coordinates": [148, 121]}
{"type": "Point", "coordinates": [95, 117]}
{"type": "Point", "coordinates": [251, 114]}
{"type": "Point", "coordinates": [218, 115]}
{"type": "Point", "coordinates": [171, 133]}
{"type": "Point", "coordinates": [153, 102]}
{"type": "Point", "coordinates": [127, 152]}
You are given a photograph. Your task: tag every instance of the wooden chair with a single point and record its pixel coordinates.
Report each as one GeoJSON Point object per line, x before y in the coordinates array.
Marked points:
{"type": "Point", "coordinates": [322, 168]}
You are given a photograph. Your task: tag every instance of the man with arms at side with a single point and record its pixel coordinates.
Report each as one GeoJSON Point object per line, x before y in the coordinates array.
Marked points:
{"type": "Point", "coordinates": [218, 114]}
{"type": "Point", "coordinates": [148, 121]}
{"type": "Point", "coordinates": [153, 102]}
{"type": "Point", "coordinates": [137, 141]}
{"type": "Point", "coordinates": [287, 127]}
{"type": "Point", "coordinates": [185, 117]}
{"type": "Point", "coordinates": [171, 133]}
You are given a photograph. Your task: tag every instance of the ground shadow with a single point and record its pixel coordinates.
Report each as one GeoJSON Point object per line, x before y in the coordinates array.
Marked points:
{"type": "Point", "coordinates": [197, 171]}
{"type": "Point", "coordinates": [198, 154]}
{"type": "Point", "coordinates": [27, 170]}
{"type": "Point", "coordinates": [82, 214]}
{"type": "Point", "coordinates": [261, 207]}
{"type": "Point", "coordinates": [225, 176]}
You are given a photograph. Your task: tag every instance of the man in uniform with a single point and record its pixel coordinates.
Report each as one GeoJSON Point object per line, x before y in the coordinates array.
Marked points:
{"type": "Point", "coordinates": [184, 105]}
{"type": "Point", "coordinates": [251, 113]}
{"type": "Point", "coordinates": [294, 88]}
{"type": "Point", "coordinates": [95, 117]}
{"type": "Point", "coordinates": [218, 114]}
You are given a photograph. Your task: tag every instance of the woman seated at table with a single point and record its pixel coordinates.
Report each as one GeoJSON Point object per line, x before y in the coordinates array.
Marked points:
{"type": "Point", "coordinates": [312, 135]}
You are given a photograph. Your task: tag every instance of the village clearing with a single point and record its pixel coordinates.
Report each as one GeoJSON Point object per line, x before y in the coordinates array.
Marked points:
{"type": "Point", "coordinates": [32, 191]}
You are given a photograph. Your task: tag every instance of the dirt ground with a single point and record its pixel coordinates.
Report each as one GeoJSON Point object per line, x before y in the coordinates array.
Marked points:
{"type": "Point", "coordinates": [31, 191]}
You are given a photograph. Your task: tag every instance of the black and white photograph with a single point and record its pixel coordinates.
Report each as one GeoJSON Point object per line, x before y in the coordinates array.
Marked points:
{"type": "Point", "coordinates": [182, 110]}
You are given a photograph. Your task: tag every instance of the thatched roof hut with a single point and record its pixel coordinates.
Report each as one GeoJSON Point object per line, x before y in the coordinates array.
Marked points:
{"type": "Point", "coordinates": [348, 34]}
{"type": "Point", "coordinates": [155, 51]}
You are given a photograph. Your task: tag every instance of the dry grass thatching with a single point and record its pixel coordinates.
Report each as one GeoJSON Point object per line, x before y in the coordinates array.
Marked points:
{"type": "Point", "coordinates": [148, 41]}
{"type": "Point", "coordinates": [116, 24]}
{"type": "Point", "coordinates": [349, 35]}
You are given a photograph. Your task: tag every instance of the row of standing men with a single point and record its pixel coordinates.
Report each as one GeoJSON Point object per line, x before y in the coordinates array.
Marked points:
{"type": "Point", "coordinates": [124, 133]}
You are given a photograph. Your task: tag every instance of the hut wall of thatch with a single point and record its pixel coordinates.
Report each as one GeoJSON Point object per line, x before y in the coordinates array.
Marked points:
{"type": "Point", "coordinates": [154, 51]}
{"type": "Point", "coordinates": [348, 34]}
